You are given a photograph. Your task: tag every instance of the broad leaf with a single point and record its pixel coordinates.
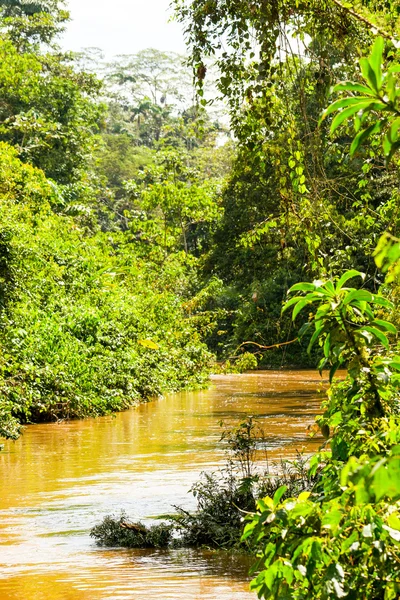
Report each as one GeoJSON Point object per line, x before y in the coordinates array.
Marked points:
{"type": "Point", "coordinates": [350, 86]}
{"type": "Point", "coordinates": [378, 334]}
{"type": "Point", "coordinates": [314, 338]}
{"type": "Point", "coordinates": [348, 112]}
{"type": "Point", "coordinates": [385, 325]}
{"type": "Point", "coordinates": [362, 136]}
{"type": "Point", "coordinates": [375, 60]}
{"type": "Point", "coordinates": [346, 276]}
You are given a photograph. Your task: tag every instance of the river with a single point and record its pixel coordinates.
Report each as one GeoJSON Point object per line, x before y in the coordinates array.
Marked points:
{"type": "Point", "coordinates": [58, 480]}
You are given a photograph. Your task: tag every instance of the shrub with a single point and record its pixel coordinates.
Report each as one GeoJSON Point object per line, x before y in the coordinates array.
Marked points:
{"type": "Point", "coordinates": [117, 531]}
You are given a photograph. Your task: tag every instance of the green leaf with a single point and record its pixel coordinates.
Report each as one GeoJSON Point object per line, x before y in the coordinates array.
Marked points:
{"type": "Point", "coordinates": [304, 329]}
{"type": "Point", "coordinates": [375, 60]}
{"type": "Point", "coordinates": [362, 136]}
{"type": "Point", "coordinates": [394, 364]}
{"type": "Point", "coordinates": [385, 325]}
{"type": "Point", "coordinates": [358, 295]}
{"type": "Point", "coordinates": [346, 276]}
{"type": "Point", "coordinates": [393, 150]}
{"type": "Point", "coordinates": [382, 302]}
{"type": "Point", "coordinates": [348, 112]}
{"type": "Point", "coordinates": [302, 287]}
{"type": "Point", "coordinates": [290, 302]}
{"type": "Point", "coordinates": [369, 74]}
{"type": "Point", "coordinates": [386, 479]}
{"type": "Point", "coordinates": [327, 345]}
{"type": "Point", "coordinates": [278, 495]}
{"type": "Point", "coordinates": [395, 126]}
{"type": "Point", "coordinates": [350, 86]}
{"type": "Point", "coordinates": [299, 307]}
{"type": "Point", "coordinates": [314, 338]}
{"type": "Point", "coordinates": [333, 370]}
{"type": "Point", "coordinates": [378, 334]}
{"type": "Point", "coordinates": [387, 252]}
{"type": "Point", "coordinates": [343, 103]}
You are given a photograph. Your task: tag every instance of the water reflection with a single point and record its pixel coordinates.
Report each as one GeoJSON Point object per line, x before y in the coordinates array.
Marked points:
{"type": "Point", "coordinates": [58, 480]}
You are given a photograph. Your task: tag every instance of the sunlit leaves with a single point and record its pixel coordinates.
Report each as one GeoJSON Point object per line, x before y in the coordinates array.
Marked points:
{"type": "Point", "coordinates": [378, 106]}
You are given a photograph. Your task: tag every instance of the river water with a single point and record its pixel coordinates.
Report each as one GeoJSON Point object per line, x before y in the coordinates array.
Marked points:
{"type": "Point", "coordinates": [58, 480]}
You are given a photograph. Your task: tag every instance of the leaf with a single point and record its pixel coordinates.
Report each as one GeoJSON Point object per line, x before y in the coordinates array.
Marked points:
{"type": "Point", "coordinates": [393, 150]}
{"type": "Point", "coordinates": [359, 295]}
{"type": "Point", "coordinates": [378, 334]}
{"type": "Point", "coordinates": [343, 103]}
{"type": "Point", "coordinates": [149, 344]}
{"type": "Point", "coordinates": [304, 496]}
{"type": "Point", "coordinates": [350, 86]}
{"type": "Point", "coordinates": [362, 136]}
{"type": "Point", "coordinates": [382, 302]}
{"type": "Point", "coordinates": [336, 419]}
{"type": "Point", "coordinates": [369, 74]}
{"type": "Point", "coordinates": [290, 302]}
{"type": "Point", "coordinates": [299, 307]}
{"type": "Point", "coordinates": [394, 364]}
{"type": "Point", "coordinates": [327, 345]}
{"type": "Point", "coordinates": [375, 60]}
{"type": "Point", "coordinates": [395, 126]}
{"type": "Point", "coordinates": [314, 338]}
{"type": "Point", "coordinates": [332, 371]}
{"type": "Point", "coordinates": [386, 479]}
{"type": "Point", "coordinates": [385, 325]}
{"type": "Point", "coordinates": [394, 521]}
{"type": "Point", "coordinates": [278, 495]}
{"type": "Point", "coordinates": [387, 252]}
{"type": "Point", "coordinates": [347, 113]}
{"type": "Point", "coordinates": [346, 276]}
{"type": "Point", "coordinates": [302, 287]}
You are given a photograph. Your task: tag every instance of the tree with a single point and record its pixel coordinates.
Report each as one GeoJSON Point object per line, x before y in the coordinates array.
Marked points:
{"type": "Point", "coordinates": [340, 539]}
{"type": "Point", "coordinates": [48, 112]}
{"type": "Point", "coordinates": [32, 23]}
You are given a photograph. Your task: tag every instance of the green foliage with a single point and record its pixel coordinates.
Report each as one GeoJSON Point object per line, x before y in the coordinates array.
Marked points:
{"type": "Point", "coordinates": [379, 94]}
{"type": "Point", "coordinates": [47, 112]}
{"type": "Point", "coordinates": [295, 208]}
{"type": "Point", "coordinates": [223, 497]}
{"type": "Point", "coordinates": [342, 539]}
{"type": "Point", "coordinates": [114, 532]}
{"type": "Point", "coordinates": [246, 362]}
{"type": "Point", "coordinates": [75, 308]}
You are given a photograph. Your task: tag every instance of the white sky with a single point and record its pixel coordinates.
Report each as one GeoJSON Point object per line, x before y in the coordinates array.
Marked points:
{"type": "Point", "coordinates": [122, 26]}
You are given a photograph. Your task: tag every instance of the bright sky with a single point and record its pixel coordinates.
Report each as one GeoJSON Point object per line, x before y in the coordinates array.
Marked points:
{"type": "Point", "coordinates": [122, 26]}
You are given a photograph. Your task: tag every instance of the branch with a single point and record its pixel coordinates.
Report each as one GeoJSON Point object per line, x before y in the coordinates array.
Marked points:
{"type": "Point", "coordinates": [364, 20]}
{"type": "Point", "coordinates": [269, 347]}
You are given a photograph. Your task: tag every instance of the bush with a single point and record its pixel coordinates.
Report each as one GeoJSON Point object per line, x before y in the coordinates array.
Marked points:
{"type": "Point", "coordinates": [117, 531]}
{"type": "Point", "coordinates": [86, 326]}
{"type": "Point", "coordinates": [223, 499]}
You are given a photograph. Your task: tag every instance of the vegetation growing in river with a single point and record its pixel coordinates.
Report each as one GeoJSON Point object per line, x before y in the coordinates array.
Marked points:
{"type": "Point", "coordinates": [223, 498]}
{"type": "Point", "coordinates": [119, 532]}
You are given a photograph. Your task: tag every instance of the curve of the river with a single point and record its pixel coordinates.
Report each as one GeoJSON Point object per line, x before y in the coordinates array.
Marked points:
{"type": "Point", "coordinates": [58, 480]}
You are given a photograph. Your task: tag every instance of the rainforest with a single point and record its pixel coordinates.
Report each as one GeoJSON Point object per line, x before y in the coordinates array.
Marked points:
{"type": "Point", "coordinates": [183, 239]}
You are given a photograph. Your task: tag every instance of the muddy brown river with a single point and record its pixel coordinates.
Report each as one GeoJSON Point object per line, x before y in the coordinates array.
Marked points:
{"type": "Point", "coordinates": [58, 480]}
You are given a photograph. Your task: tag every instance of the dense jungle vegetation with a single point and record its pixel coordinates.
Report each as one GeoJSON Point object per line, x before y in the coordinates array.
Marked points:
{"type": "Point", "coordinates": [314, 99]}
{"type": "Point", "coordinates": [108, 197]}
{"type": "Point", "coordinates": [141, 235]}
